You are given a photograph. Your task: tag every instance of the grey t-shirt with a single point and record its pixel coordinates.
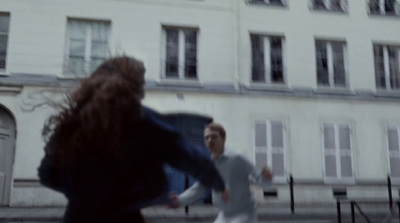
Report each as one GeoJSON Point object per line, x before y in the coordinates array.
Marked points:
{"type": "Point", "coordinates": [235, 170]}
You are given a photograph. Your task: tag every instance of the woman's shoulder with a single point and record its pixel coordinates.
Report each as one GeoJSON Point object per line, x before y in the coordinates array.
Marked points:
{"type": "Point", "coordinates": [156, 121]}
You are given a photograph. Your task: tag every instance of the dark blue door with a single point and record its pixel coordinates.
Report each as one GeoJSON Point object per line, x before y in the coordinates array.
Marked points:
{"type": "Point", "coordinates": [192, 129]}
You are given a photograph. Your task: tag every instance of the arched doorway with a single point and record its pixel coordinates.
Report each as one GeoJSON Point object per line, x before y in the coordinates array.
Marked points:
{"type": "Point", "coordinates": [192, 128]}
{"type": "Point", "coordinates": [7, 149]}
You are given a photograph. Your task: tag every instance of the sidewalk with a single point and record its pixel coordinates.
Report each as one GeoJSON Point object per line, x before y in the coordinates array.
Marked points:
{"type": "Point", "coordinates": [267, 212]}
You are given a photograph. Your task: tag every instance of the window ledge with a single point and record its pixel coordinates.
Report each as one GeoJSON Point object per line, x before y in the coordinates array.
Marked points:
{"type": "Point", "coordinates": [336, 182]}
{"type": "Point", "coordinates": [179, 83]}
{"type": "Point", "coordinates": [269, 87]}
{"type": "Point", "coordinates": [336, 12]}
{"type": "Point", "coordinates": [4, 73]}
{"type": "Point", "coordinates": [329, 90]}
{"type": "Point", "coordinates": [10, 89]}
{"type": "Point", "coordinates": [390, 93]}
{"type": "Point", "coordinates": [379, 15]}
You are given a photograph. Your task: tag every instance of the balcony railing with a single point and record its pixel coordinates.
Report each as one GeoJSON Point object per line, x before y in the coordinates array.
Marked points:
{"type": "Point", "coordinates": [384, 7]}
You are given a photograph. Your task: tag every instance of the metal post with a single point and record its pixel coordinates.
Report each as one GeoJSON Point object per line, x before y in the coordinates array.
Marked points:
{"type": "Point", "coordinates": [186, 187]}
{"type": "Point", "coordinates": [339, 213]}
{"type": "Point", "coordinates": [398, 206]}
{"type": "Point", "coordinates": [389, 185]}
{"type": "Point", "coordinates": [353, 214]}
{"type": "Point", "coordinates": [291, 193]}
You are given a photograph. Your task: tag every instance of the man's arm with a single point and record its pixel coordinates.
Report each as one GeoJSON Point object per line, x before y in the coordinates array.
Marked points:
{"type": "Point", "coordinates": [189, 196]}
{"type": "Point", "coordinates": [173, 149]}
{"type": "Point", "coordinates": [262, 177]}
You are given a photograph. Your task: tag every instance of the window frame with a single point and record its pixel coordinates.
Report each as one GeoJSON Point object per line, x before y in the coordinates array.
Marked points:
{"type": "Point", "coordinates": [381, 8]}
{"type": "Point", "coordinates": [283, 3]}
{"type": "Point", "coordinates": [386, 66]}
{"type": "Point", "coordinates": [390, 153]}
{"type": "Point", "coordinates": [181, 54]}
{"type": "Point", "coordinates": [269, 150]}
{"type": "Point", "coordinates": [87, 58]}
{"type": "Point", "coordinates": [330, 60]}
{"type": "Point", "coordinates": [338, 153]}
{"type": "Point", "coordinates": [327, 6]}
{"type": "Point", "coordinates": [267, 60]}
{"type": "Point", "coordinates": [7, 34]}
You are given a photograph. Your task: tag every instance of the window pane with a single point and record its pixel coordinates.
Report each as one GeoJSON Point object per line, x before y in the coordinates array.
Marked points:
{"type": "Point", "coordinates": [261, 134]}
{"type": "Point", "coordinates": [390, 6]}
{"type": "Point", "coordinates": [374, 6]}
{"type": "Point", "coordinates": [344, 137]}
{"type": "Point", "coordinates": [257, 56]}
{"type": "Point", "coordinates": [77, 48]}
{"type": "Point", "coordinates": [329, 137]}
{"type": "Point", "coordinates": [190, 53]}
{"type": "Point", "coordinates": [330, 166]}
{"type": "Point", "coordinates": [99, 49]}
{"type": "Point", "coordinates": [393, 140]}
{"type": "Point", "coordinates": [395, 167]}
{"type": "Point", "coordinates": [338, 64]}
{"type": "Point", "coordinates": [3, 43]}
{"type": "Point", "coordinates": [379, 67]}
{"type": "Point", "coordinates": [261, 160]}
{"type": "Point", "coordinates": [76, 65]}
{"type": "Point", "coordinates": [4, 23]}
{"type": "Point", "coordinates": [2, 61]}
{"type": "Point", "coordinates": [278, 164]}
{"type": "Point", "coordinates": [322, 63]}
{"type": "Point", "coordinates": [335, 5]}
{"type": "Point", "coordinates": [319, 4]}
{"type": "Point", "coordinates": [276, 60]}
{"type": "Point", "coordinates": [275, 2]}
{"type": "Point", "coordinates": [94, 63]}
{"type": "Point", "coordinates": [346, 170]}
{"type": "Point", "coordinates": [171, 67]}
{"type": "Point", "coordinates": [77, 30]}
{"type": "Point", "coordinates": [277, 134]}
{"type": "Point", "coordinates": [394, 67]}
{"type": "Point", "coordinates": [99, 31]}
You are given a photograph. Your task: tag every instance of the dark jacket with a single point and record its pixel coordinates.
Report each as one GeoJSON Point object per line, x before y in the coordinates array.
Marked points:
{"type": "Point", "coordinates": [99, 191]}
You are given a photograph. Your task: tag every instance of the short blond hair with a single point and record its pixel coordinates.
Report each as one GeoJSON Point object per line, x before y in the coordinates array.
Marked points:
{"type": "Point", "coordinates": [216, 127]}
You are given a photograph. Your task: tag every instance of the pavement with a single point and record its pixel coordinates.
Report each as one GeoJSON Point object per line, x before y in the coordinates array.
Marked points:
{"type": "Point", "coordinates": [205, 213]}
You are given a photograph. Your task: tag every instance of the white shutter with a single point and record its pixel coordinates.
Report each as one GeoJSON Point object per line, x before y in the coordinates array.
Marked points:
{"type": "Point", "coordinates": [346, 169]}
{"type": "Point", "coordinates": [277, 143]}
{"type": "Point", "coordinates": [329, 151]}
{"type": "Point", "coordinates": [393, 147]}
{"type": "Point", "coordinates": [260, 142]}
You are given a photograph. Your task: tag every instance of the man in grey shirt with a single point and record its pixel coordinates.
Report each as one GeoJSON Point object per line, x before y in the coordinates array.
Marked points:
{"type": "Point", "coordinates": [235, 170]}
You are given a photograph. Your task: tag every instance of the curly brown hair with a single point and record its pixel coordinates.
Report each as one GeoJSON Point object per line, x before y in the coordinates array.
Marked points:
{"type": "Point", "coordinates": [99, 114]}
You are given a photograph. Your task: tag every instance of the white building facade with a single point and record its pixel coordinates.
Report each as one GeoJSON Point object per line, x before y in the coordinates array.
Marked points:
{"type": "Point", "coordinates": [310, 88]}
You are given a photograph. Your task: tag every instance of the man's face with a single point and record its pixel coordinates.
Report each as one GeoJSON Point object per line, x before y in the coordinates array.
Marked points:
{"type": "Point", "coordinates": [214, 142]}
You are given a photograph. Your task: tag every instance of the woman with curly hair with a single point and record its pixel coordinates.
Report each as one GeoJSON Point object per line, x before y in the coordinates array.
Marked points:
{"type": "Point", "coordinates": [105, 151]}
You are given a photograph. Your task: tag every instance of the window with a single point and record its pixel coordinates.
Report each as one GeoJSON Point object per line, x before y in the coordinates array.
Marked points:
{"type": "Point", "coordinates": [337, 152]}
{"type": "Point", "coordinates": [330, 5]}
{"type": "Point", "coordinates": [331, 70]}
{"type": "Point", "coordinates": [87, 46]}
{"type": "Point", "coordinates": [180, 57]}
{"type": "Point", "coordinates": [387, 67]}
{"type": "Point", "coordinates": [384, 7]}
{"type": "Point", "coordinates": [393, 143]}
{"type": "Point", "coordinates": [4, 26]}
{"type": "Point", "coordinates": [269, 2]}
{"type": "Point", "coordinates": [269, 142]}
{"type": "Point", "coordinates": [267, 59]}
